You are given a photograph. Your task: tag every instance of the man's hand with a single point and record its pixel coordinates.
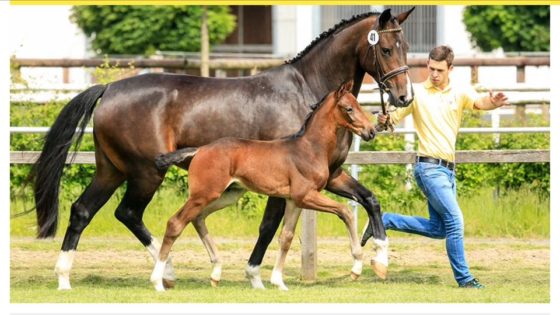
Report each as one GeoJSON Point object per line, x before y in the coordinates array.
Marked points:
{"type": "Point", "coordinates": [491, 101]}
{"type": "Point", "coordinates": [382, 119]}
{"type": "Point", "coordinates": [498, 100]}
{"type": "Point", "coordinates": [383, 123]}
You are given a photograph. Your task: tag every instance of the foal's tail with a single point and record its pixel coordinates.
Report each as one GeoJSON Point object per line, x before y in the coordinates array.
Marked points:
{"type": "Point", "coordinates": [164, 161]}
{"type": "Point", "coordinates": [47, 170]}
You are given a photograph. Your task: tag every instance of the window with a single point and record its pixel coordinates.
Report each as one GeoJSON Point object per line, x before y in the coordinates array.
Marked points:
{"type": "Point", "coordinates": [253, 33]}
{"type": "Point", "coordinates": [333, 14]}
{"type": "Point", "coordinates": [420, 28]}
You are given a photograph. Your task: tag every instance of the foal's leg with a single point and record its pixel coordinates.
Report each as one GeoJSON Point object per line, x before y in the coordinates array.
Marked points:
{"type": "Point", "coordinates": [291, 217]}
{"type": "Point", "coordinates": [314, 200]}
{"type": "Point", "coordinates": [273, 214]}
{"type": "Point", "coordinates": [175, 227]}
{"type": "Point", "coordinates": [344, 185]}
{"type": "Point", "coordinates": [229, 197]}
{"type": "Point", "coordinates": [200, 227]}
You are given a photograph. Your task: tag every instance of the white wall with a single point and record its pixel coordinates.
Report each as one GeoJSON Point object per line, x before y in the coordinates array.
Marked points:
{"type": "Point", "coordinates": [284, 30]}
{"type": "Point", "coordinates": [293, 28]}
{"type": "Point", "coordinates": [452, 30]}
{"type": "Point", "coordinates": [45, 32]}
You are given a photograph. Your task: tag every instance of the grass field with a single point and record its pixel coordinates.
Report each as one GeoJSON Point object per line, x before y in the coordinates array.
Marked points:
{"type": "Point", "coordinates": [515, 214]}
{"type": "Point", "coordinates": [117, 270]}
{"type": "Point", "coordinates": [507, 244]}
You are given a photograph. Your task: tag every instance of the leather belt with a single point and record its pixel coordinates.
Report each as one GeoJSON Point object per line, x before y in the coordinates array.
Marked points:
{"type": "Point", "coordinates": [444, 163]}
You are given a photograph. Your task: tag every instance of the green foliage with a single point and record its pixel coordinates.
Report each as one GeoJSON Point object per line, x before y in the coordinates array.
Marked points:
{"type": "Point", "coordinates": [388, 182]}
{"type": "Point", "coordinates": [471, 177]}
{"type": "Point", "coordinates": [107, 73]}
{"type": "Point", "coordinates": [15, 72]}
{"type": "Point", "coordinates": [251, 205]}
{"type": "Point", "coordinates": [75, 176]}
{"type": "Point", "coordinates": [145, 29]}
{"type": "Point", "coordinates": [512, 27]}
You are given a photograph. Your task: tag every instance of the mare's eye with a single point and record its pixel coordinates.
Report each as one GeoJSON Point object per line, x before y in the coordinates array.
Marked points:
{"type": "Point", "coordinates": [349, 109]}
{"type": "Point", "coordinates": [386, 51]}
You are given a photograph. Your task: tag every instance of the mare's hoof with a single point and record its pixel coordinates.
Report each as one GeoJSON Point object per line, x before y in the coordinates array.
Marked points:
{"type": "Point", "coordinates": [168, 284]}
{"type": "Point", "coordinates": [379, 269]}
{"type": "Point", "coordinates": [214, 283]}
{"type": "Point", "coordinates": [354, 276]}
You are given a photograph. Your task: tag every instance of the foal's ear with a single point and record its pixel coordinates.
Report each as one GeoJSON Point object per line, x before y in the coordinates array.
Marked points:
{"type": "Point", "coordinates": [346, 87]}
{"type": "Point", "coordinates": [403, 16]}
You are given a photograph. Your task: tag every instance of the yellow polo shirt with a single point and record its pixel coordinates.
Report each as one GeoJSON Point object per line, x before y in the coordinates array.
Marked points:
{"type": "Point", "coordinates": [437, 117]}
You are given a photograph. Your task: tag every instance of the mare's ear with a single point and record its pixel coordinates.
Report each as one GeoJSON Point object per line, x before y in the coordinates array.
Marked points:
{"type": "Point", "coordinates": [403, 16]}
{"type": "Point", "coordinates": [384, 18]}
{"type": "Point", "coordinates": [344, 88]}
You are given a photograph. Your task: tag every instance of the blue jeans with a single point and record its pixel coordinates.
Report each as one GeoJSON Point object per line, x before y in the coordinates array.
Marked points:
{"type": "Point", "coordinates": [446, 219]}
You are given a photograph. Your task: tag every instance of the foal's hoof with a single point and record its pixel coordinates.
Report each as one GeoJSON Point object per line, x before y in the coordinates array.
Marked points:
{"type": "Point", "coordinates": [379, 269]}
{"type": "Point", "coordinates": [214, 283]}
{"type": "Point", "coordinates": [168, 284]}
{"type": "Point", "coordinates": [354, 276]}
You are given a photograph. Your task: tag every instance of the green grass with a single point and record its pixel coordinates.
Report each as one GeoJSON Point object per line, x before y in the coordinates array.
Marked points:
{"type": "Point", "coordinates": [507, 247]}
{"type": "Point", "coordinates": [117, 270]}
{"type": "Point", "coordinates": [519, 214]}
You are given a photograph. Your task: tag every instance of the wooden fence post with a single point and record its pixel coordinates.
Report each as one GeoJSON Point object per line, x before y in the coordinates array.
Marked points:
{"type": "Point", "coordinates": [204, 45]}
{"type": "Point", "coordinates": [520, 109]}
{"type": "Point", "coordinates": [474, 74]}
{"type": "Point", "coordinates": [308, 245]}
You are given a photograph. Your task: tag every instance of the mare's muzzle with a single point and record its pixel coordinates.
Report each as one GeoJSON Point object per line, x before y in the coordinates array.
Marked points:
{"type": "Point", "coordinates": [401, 100]}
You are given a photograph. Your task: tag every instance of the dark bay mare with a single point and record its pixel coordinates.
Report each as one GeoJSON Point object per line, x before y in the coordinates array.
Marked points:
{"type": "Point", "coordinates": [295, 168]}
{"type": "Point", "coordinates": [140, 117]}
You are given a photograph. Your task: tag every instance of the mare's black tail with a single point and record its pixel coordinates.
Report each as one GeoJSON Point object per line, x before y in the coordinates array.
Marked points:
{"type": "Point", "coordinates": [164, 161]}
{"type": "Point", "coordinates": [47, 170]}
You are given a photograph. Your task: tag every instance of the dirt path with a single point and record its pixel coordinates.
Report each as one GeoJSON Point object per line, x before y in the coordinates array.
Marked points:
{"type": "Point", "coordinates": [404, 252]}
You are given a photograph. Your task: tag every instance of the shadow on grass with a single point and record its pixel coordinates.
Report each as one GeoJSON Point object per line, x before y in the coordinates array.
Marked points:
{"type": "Point", "coordinates": [131, 282]}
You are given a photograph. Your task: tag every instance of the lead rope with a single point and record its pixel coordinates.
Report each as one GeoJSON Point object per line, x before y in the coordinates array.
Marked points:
{"type": "Point", "coordinates": [387, 125]}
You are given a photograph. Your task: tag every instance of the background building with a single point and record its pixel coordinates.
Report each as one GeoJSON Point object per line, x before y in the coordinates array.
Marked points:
{"type": "Point", "coordinates": [280, 31]}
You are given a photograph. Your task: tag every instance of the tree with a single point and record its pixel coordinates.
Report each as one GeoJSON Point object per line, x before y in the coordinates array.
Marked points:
{"type": "Point", "coordinates": [512, 27]}
{"type": "Point", "coordinates": [145, 29]}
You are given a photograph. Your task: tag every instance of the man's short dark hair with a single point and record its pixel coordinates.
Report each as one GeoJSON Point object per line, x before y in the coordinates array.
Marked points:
{"type": "Point", "coordinates": [441, 53]}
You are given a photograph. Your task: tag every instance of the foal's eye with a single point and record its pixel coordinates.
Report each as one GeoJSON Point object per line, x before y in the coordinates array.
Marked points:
{"type": "Point", "coordinates": [349, 109]}
{"type": "Point", "coordinates": [386, 51]}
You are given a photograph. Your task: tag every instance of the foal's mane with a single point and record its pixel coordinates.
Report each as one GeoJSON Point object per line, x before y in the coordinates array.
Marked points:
{"type": "Point", "coordinates": [314, 108]}
{"type": "Point", "coordinates": [342, 24]}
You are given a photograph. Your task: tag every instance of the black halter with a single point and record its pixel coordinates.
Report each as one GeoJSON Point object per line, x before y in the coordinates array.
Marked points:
{"type": "Point", "coordinates": [382, 81]}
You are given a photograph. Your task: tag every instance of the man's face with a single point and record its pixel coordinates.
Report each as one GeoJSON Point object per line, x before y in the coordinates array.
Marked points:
{"type": "Point", "coordinates": [439, 73]}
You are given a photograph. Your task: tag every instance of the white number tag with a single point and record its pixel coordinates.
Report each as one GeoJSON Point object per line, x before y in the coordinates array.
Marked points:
{"type": "Point", "coordinates": [373, 37]}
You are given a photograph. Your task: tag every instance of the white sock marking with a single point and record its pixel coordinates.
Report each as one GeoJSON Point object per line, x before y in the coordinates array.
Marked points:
{"type": "Point", "coordinates": [157, 275]}
{"type": "Point", "coordinates": [276, 279]}
{"type": "Point", "coordinates": [153, 249]}
{"type": "Point", "coordinates": [381, 249]}
{"type": "Point", "coordinates": [63, 267]}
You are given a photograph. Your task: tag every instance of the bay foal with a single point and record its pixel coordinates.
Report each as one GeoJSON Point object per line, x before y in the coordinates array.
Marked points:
{"type": "Point", "coordinates": [295, 168]}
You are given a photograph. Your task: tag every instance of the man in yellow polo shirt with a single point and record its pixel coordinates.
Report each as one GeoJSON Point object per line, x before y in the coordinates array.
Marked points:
{"type": "Point", "coordinates": [437, 111]}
